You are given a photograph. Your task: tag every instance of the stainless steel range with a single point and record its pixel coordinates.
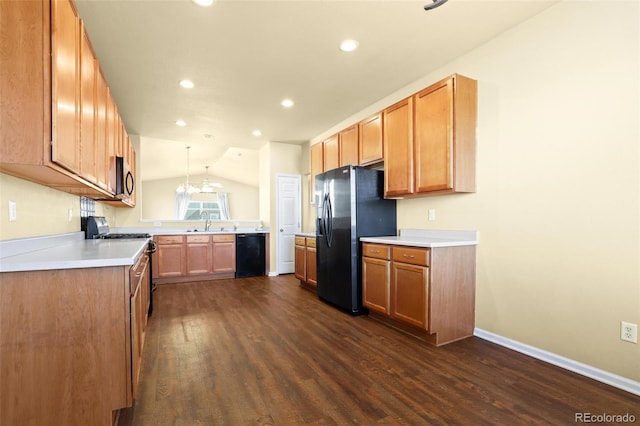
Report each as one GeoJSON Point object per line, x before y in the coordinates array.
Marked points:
{"type": "Point", "coordinates": [97, 228]}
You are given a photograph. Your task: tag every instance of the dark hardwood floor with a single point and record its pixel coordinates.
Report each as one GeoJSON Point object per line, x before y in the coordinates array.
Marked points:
{"type": "Point", "coordinates": [263, 351]}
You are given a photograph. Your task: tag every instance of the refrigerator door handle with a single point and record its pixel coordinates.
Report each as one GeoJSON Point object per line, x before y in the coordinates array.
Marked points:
{"type": "Point", "coordinates": [329, 222]}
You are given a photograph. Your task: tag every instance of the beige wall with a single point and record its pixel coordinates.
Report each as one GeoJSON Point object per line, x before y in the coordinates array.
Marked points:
{"type": "Point", "coordinates": [275, 158]}
{"type": "Point", "coordinates": [159, 198]}
{"type": "Point", "coordinates": [557, 203]}
{"type": "Point", "coordinates": [40, 210]}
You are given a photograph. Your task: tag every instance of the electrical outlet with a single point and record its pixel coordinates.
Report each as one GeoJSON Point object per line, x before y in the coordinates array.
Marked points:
{"type": "Point", "coordinates": [431, 214]}
{"type": "Point", "coordinates": [629, 332]}
{"type": "Point", "coordinates": [13, 216]}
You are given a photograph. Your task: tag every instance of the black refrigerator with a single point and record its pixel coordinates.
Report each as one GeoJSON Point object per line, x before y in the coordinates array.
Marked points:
{"type": "Point", "coordinates": [349, 205]}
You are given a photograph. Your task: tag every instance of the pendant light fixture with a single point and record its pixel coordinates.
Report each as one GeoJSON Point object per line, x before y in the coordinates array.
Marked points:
{"type": "Point", "coordinates": [208, 186]}
{"type": "Point", "coordinates": [187, 187]}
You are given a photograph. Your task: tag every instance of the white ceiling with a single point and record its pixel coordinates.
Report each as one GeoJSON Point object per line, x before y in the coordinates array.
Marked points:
{"type": "Point", "coordinates": [246, 56]}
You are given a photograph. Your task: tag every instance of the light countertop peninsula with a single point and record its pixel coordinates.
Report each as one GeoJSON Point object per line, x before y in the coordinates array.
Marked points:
{"type": "Point", "coordinates": [427, 238]}
{"type": "Point", "coordinates": [68, 251]}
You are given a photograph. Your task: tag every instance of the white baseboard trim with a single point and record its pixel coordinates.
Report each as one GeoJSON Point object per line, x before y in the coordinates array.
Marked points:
{"type": "Point", "coordinates": [611, 379]}
{"type": "Point", "coordinates": [272, 274]}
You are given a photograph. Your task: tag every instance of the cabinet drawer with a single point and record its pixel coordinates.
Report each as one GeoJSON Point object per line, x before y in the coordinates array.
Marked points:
{"type": "Point", "coordinates": [415, 256]}
{"type": "Point", "coordinates": [169, 239]}
{"type": "Point", "coordinates": [197, 238]}
{"type": "Point", "coordinates": [299, 241]}
{"type": "Point", "coordinates": [136, 272]}
{"type": "Point", "coordinates": [227, 238]}
{"type": "Point", "coordinates": [375, 250]}
{"type": "Point", "coordinates": [311, 242]}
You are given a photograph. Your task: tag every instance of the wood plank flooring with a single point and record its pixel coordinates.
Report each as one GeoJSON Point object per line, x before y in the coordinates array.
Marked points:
{"type": "Point", "coordinates": [263, 351]}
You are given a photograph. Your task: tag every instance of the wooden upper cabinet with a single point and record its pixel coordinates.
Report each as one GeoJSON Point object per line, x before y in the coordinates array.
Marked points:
{"type": "Point", "coordinates": [56, 122]}
{"type": "Point", "coordinates": [331, 153]}
{"type": "Point", "coordinates": [398, 148]}
{"type": "Point", "coordinates": [370, 144]}
{"type": "Point", "coordinates": [88, 103]}
{"type": "Point", "coordinates": [102, 149]}
{"type": "Point", "coordinates": [65, 44]}
{"type": "Point", "coordinates": [444, 136]}
{"type": "Point", "coordinates": [348, 146]}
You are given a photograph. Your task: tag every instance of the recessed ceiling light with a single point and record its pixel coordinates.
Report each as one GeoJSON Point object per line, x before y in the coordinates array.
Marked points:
{"type": "Point", "coordinates": [256, 133]}
{"type": "Point", "coordinates": [203, 3]}
{"type": "Point", "coordinates": [349, 45]}
{"type": "Point", "coordinates": [287, 103]}
{"type": "Point", "coordinates": [181, 123]}
{"type": "Point", "coordinates": [187, 84]}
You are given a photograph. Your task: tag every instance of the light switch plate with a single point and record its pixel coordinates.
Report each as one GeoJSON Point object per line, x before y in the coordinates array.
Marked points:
{"type": "Point", "coordinates": [13, 213]}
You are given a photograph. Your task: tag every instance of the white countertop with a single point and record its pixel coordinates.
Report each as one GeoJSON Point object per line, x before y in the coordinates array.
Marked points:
{"type": "Point", "coordinates": [157, 230]}
{"type": "Point", "coordinates": [428, 238]}
{"type": "Point", "coordinates": [306, 234]}
{"type": "Point", "coordinates": [67, 251]}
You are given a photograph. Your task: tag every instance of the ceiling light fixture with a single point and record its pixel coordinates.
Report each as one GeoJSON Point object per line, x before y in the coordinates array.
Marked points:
{"type": "Point", "coordinates": [187, 187]}
{"type": "Point", "coordinates": [207, 186]}
{"type": "Point", "coordinates": [181, 123]}
{"type": "Point", "coordinates": [203, 3]}
{"type": "Point", "coordinates": [287, 103]}
{"type": "Point", "coordinates": [349, 45]}
{"type": "Point", "coordinates": [256, 133]}
{"type": "Point", "coordinates": [435, 4]}
{"type": "Point", "coordinates": [187, 84]}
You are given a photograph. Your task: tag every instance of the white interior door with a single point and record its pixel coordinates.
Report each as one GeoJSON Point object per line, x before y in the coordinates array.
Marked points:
{"type": "Point", "coordinates": [289, 217]}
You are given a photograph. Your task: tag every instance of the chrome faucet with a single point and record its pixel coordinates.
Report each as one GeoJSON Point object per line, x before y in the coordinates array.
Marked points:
{"type": "Point", "coordinates": [207, 220]}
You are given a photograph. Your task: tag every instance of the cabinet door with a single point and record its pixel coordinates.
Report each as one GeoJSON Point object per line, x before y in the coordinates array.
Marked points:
{"type": "Point", "coordinates": [110, 125]}
{"type": "Point", "coordinates": [171, 262]}
{"type": "Point", "coordinates": [433, 138]}
{"type": "Point", "coordinates": [312, 274]}
{"type": "Point", "coordinates": [331, 153]}
{"type": "Point", "coordinates": [65, 73]}
{"type": "Point", "coordinates": [375, 284]}
{"type": "Point", "coordinates": [370, 145]}
{"type": "Point", "coordinates": [88, 102]}
{"type": "Point", "coordinates": [348, 146]}
{"type": "Point", "coordinates": [300, 257]}
{"type": "Point", "coordinates": [102, 151]}
{"type": "Point", "coordinates": [199, 258]}
{"type": "Point", "coordinates": [224, 256]}
{"type": "Point", "coordinates": [398, 149]}
{"type": "Point", "coordinates": [409, 292]}
{"type": "Point", "coordinates": [136, 321]}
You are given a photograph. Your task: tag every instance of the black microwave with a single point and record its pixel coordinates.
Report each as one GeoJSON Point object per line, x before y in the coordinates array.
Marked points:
{"type": "Point", "coordinates": [125, 183]}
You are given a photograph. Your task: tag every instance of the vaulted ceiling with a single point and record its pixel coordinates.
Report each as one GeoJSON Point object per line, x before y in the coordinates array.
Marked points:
{"type": "Point", "coordinates": [245, 57]}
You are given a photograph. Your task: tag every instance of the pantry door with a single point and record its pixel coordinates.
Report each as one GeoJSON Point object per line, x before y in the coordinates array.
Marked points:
{"type": "Point", "coordinates": [289, 220]}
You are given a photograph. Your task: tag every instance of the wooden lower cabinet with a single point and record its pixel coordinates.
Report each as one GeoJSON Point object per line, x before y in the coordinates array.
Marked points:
{"type": "Point", "coordinates": [170, 257]}
{"type": "Point", "coordinates": [181, 258]}
{"type": "Point", "coordinates": [305, 261]}
{"type": "Point", "coordinates": [409, 293]}
{"type": "Point", "coordinates": [224, 254]}
{"type": "Point", "coordinates": [199, 260]}
{"type": "Point", "coordinates": [376, 268]}
{"type": "Point", "coordinates": [428, 292]}
{"type": "Point", "coordinates": [71, 343]}
{"type": "Point", "coordinates": [312, 274]}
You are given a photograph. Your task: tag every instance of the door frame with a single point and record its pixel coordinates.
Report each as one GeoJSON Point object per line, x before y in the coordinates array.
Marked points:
{"type": "Point", "coordinates": [279, 176]}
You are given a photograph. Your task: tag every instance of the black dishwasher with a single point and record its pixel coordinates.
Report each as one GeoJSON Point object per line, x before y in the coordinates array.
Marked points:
{"type": "Point", "coordinates": [250, 255]}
